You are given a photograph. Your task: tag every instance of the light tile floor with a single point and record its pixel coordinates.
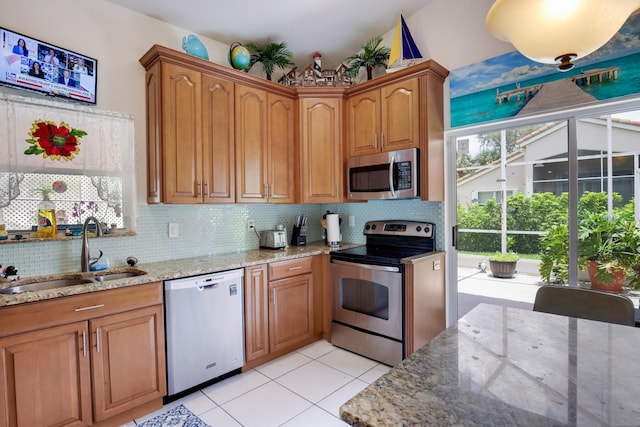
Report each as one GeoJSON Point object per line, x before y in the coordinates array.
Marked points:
{"type": "Point", "coordinates": [303, 388]}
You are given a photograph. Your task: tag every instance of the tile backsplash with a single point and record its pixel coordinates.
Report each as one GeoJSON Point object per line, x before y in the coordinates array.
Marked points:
{"type": "Point", "coordinates": [210, 230]}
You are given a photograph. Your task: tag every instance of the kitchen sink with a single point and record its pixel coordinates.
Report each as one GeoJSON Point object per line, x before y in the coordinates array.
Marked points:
{"type": "Point", "coordinates": [41, 286]}
{"type": "Point", "coordinates": [116, 276]}
{"type": "Point", "coordinates": [71, 281]}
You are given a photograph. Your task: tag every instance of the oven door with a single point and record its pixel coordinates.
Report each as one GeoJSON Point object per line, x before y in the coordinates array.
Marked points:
{"type": "Point", "coordinates": [368, 297]}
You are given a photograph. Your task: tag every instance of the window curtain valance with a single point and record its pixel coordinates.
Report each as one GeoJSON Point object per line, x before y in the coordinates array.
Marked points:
{"type": "Point", "coordinates": [107, 148]}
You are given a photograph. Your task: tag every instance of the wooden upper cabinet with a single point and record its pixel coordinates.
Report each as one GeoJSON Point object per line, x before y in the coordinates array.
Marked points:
{"type": "Point", "coordinates": [251, 147]}
{"type": "Point", "coordinates": [321, 150]}
{"type": "Point", "coordinates": [384, 119]}
{"type": "Point", "coordinates": [182, 134]}
{"type": "Point", "coordinates": [363, 120]}
{"type": "Point", "coordinates": [400, 115]}
{"type": "Point", "coordinates": [281, 117]}
{"type": "Point", "coordinates": [265, 146]}
{"type": "Point", "coordinates": [218, 139]}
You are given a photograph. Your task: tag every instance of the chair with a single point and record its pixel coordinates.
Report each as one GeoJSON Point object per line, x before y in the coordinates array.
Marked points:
{"type": "Point", "coordinates": [585, 304]}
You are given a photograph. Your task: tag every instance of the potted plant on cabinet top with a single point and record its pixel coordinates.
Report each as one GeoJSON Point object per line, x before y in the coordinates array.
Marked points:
{"type": "Point", "coordinates": [271, 55]}
{"type": "Point", "coordinates": [372, 55]}
{"type": "Point", "coordinates": [503, 265]}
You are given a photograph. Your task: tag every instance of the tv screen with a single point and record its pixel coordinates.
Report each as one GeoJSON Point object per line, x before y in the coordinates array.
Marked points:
{"type": "Point", "coordinates": [31, 64]}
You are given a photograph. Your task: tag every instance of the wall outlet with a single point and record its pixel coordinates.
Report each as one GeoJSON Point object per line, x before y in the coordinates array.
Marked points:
{"type": "Point", "coordinates": [174, 230]}
{"type": "Point", "coordinates": [352, 220]}
{"type": "Point", "coordinates": [250, 224]}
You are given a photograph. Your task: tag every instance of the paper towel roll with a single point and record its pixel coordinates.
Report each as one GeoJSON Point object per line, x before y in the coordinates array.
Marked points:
{"type": "Point", "coordinates": [333, 229]}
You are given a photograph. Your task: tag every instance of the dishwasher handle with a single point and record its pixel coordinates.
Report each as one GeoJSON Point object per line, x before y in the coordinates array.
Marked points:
{"type": "Point", "coordinates": [203, 282]}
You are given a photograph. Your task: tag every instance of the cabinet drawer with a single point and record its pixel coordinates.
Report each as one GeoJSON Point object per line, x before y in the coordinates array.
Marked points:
{"type": "Point", "coordinates": [31, 316]}
{"type": "Point", "coordinates": [283, 269]}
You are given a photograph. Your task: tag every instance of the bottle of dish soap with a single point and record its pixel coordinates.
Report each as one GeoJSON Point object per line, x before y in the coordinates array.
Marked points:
{"type": "Point", "coordinates": [47, 225]}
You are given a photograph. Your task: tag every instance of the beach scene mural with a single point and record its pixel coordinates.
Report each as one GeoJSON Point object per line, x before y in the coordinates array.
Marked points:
{"type": "Point", "coordinates": [511, 84]}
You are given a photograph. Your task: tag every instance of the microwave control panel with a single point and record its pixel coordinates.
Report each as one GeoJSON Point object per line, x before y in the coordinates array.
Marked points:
{"type": "Point", "coordinates": [403, 176]}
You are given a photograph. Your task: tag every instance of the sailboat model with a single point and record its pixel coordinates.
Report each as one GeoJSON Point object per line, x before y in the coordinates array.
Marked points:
{"type": "Point", "coordinates": [404, 51]}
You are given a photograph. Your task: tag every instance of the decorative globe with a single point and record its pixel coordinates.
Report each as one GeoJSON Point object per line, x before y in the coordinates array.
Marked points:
{"type": "Point", "coordinates": [239, 57]}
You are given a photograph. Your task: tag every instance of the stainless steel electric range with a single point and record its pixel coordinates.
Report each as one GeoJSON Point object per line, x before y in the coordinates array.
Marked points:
{"type": "Point", "coordinates": [368, 288]}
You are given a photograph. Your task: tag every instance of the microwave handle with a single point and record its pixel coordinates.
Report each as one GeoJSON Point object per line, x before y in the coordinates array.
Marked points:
{"type": "Point", "coordinates": [393, 191]}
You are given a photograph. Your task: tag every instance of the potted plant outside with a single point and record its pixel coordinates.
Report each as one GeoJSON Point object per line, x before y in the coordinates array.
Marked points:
{"type": "Point", "coordinates": [608, 248]}
{"type": "Point", "coordinates": [271, 55]}
{"type": "Point", "coordinates": [371, 56]}
{"type": "Point", "coordinates": [503, 265]}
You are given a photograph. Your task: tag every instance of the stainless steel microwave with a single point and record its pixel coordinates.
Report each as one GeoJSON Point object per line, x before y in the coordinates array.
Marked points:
{"type": "Point", "coordinates": [390, 175]}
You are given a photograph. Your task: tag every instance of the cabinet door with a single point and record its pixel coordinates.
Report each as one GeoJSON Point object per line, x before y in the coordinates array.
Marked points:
{"type": "Point", "coordinates": [281, 165]}
{"type": "Point", "coordinates": [321, 150]}
{"type": "Point", "coordinates": [218, 160]}
{"type": "Point", "coordinates": [251, 145]}
{"type": "Point", "coordinates": [45, 379]}
{"type": "Point", "coordinates": [128, 360]}
{"type": "Point", "coordinates": [182, 135]}
{"type": "Point", "coordinates": [400, 115]}
{"type": "Point", "coordinates": [363, 117]}
{"type": "Point", "coordinates": [256, 325]}
{"type": "Point", "coordinates": [290, 311]}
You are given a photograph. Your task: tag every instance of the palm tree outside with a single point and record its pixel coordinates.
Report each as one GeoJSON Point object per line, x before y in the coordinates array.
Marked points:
{"type": "Point", "coordinates": [371, 56]}
{"type": "Point", "coordinates": [271, 55]}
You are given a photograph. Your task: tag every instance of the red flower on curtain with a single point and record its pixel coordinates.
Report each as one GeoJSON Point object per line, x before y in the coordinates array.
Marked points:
{"type": "Point", "coordinates": [54, 141]}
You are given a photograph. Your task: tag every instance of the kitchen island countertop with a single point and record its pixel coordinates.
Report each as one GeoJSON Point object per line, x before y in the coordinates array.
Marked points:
{"type": "Point", "coordinates": [501, 366]}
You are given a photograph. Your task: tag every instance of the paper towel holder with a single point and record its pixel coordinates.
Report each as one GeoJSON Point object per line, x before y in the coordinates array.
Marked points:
{"type": "Point", "coordinates": [335, 242]}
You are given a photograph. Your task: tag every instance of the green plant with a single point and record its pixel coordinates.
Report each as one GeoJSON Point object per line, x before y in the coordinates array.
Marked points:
{"type": "Point", "coordinates": [554, 255]}
{"type": "Point", "coordinates": [271, 55]}
{"type": "Point", "coordinates": [504, 257]}
{"type": "Point", "coordinates": [372, 55]}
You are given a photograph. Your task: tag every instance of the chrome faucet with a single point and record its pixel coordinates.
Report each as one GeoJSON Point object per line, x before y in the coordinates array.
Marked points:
{"type": "Point", "coordinates": [86, 260]}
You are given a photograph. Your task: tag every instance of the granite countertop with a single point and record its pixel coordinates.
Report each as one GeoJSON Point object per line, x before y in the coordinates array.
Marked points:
{"type": "Point", "coordinates": [502, 366]}
{"type": "Point", "coordinates": [164, 270]}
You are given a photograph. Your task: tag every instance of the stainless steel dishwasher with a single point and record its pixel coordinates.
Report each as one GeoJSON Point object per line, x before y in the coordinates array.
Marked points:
{"type": "Point", "coordinates": [204, 328]}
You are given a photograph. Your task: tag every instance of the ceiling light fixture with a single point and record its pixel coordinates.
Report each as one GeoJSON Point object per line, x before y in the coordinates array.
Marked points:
{"type": "Point", "coordinates": [558, 31]}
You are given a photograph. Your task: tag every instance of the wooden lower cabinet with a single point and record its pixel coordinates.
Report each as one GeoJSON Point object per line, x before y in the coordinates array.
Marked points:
{"type": "Point", "coordinates": [127, 361]}
{"type": "Point", "coordinates": [256, 315]}
{"type": "Point", "coordinates": [425, 301]}
{"type": "Point", "coordinates": [279, 309]}
{"type": "Point", "coordinates": [45, 378]}
{"type": "Point", "coordinates": [290, 311]}
{"type": "Point", "coordinates": [103, 370]}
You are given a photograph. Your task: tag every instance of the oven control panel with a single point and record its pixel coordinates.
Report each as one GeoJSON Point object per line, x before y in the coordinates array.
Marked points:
{"type": "Point", "coordinates": [399, 228]}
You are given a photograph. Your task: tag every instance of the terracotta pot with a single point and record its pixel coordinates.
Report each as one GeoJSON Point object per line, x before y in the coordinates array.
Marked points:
{"type": "Point", "coordinates": [615, 286]}
{"type": "Point", "coordinates": [503, 269]}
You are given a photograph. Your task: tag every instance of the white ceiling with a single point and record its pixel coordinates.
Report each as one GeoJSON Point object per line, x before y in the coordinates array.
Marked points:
{"type": "Point", "coordinates": [335, 28]}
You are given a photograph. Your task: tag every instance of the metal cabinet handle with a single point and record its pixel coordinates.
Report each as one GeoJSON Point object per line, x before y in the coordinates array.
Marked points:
{"type": "Point", "coordinates": [206, 188]}
{"type": "Point", "coordinates": [367, 266]}
{"type": "Point", "coordinates": [393, 191]}
{"type": "Point", "coordinates": [98, 339]}
{"type": "Point", "coordinates": [381, 140]}
{"type": "Point", "coordinates": [84, 344]}
{"type": "Point", "coordinates": [295, 268]}
{"type": "Point", "coordinates": [91, 307]}
{"type": "Point", "coordinates": [274, 297]}
{"type": "Point", "coordinates": [200, 188]}
{"type": "Point", "coordinates": [375, 140]}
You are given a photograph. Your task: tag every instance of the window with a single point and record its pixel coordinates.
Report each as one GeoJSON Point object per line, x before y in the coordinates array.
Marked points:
{"type": "Point", "coordinates": [91, 175]}
{"type": "Point", "coordinates": [75, 196]}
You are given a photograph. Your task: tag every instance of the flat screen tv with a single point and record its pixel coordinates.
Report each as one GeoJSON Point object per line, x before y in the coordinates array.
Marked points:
{"type": "Point", "coordinates": [31, 64]}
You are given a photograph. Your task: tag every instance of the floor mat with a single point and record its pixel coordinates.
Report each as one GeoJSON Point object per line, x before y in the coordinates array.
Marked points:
{"type": "Point", "coordinates": [176, 417]}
